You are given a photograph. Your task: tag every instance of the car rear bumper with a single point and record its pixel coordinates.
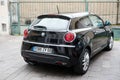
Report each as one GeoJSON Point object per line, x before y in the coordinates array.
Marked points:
{"type": "Point", "coordinates": [46, 58]}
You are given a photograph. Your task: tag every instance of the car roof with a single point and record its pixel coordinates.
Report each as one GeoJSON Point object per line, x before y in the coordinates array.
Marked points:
{"type": "Point", "coordinates": [74, 15]}
{"type": "Point", "coordinates": [66, 15]}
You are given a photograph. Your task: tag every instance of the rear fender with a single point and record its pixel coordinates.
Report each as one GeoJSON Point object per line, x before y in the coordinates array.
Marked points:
{"type": "Point", "coordinates": [84, 42]}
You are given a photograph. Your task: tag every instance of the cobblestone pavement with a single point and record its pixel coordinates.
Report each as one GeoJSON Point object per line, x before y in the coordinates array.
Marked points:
{"type": "Point", "coordinates": [104, 66]}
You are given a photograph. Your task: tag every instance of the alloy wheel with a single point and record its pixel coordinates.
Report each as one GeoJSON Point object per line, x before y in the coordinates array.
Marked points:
{"type": "Point", "coordinates": [111, 42]}
{"type": "Point", "coordinates": [86, 61]}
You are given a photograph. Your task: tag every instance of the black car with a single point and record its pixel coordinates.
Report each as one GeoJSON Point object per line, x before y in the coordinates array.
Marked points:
{"type": "Point", "coordinates": [66, 39]}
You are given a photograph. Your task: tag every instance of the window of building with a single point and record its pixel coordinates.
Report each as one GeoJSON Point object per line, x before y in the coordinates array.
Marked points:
{"type": "Point", "coordinates": [4, 27]}
{"type": "Point", "coordinates": [2, 2]}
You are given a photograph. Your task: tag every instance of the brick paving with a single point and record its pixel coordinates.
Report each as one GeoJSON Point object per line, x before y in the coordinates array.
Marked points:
{"type": "Point", "coordinates": [104, 66]}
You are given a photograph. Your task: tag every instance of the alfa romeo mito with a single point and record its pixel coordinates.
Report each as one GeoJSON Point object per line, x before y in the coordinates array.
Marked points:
{"type": "Point", "coordinates": [66, 39]}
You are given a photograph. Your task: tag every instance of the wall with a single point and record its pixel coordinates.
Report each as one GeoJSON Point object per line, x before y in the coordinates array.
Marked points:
{"type": "Point", "coordinates": [66, 0]}
{"type": "Point", "coordinates": [30, 10]}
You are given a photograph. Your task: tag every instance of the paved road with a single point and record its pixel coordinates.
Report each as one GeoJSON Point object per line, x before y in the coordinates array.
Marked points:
{"type": "Point", "coordinates": [104, 66]}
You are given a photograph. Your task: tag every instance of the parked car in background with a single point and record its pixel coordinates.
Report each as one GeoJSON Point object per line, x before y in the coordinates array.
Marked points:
{"type": "Point", "coordinates": [66, 39]}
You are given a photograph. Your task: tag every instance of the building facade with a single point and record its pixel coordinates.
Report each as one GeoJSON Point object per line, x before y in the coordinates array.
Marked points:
{"type": "Point", "coordinates": [4, 18]}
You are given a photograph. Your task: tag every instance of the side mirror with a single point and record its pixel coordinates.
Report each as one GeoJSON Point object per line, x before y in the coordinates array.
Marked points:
{"type": "Point", "coordinates": [107, 23]}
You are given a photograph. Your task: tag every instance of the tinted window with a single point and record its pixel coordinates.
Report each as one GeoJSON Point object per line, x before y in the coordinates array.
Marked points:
{"type": "Point", "coordinates": [97, 22]}
{"type": "Point", "coordinates": [52, 23]}
{"type": "Point", "coordinates": [73, 23]}
{"type": "Point", "coordinates": [84, 22]}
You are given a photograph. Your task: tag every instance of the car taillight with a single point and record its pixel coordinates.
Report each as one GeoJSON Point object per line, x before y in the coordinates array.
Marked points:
{"type": "Point", "coordinates": [25, 33]}
{"type": "Point", "coordinates": [69, 37]}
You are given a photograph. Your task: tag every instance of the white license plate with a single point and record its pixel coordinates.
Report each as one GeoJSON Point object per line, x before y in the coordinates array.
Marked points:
{"type": "Point", "coordinates": [42, 50]}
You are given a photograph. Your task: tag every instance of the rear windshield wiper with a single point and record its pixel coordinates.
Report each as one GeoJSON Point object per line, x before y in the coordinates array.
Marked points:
{"type": "Point", "coordinates": [40, 27]}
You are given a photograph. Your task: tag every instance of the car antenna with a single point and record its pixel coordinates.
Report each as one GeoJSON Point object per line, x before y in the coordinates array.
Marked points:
{"type": "Point", "coordinates": [57, 9]}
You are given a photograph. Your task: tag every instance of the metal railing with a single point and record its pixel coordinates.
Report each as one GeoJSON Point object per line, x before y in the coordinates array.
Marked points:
{"type": "Point", "coordinates": [25, 12]}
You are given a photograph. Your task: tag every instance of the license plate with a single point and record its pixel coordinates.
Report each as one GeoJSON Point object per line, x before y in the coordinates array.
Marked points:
{"type": "Point", "coordinates": [42, 50]}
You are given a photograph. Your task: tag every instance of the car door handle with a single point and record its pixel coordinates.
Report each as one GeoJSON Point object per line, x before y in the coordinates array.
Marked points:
{"type": "Point", "coordinates": [95, 32]}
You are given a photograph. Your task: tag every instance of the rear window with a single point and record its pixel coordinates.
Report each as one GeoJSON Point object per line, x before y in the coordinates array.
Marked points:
{"type": "Point", "coordinates": [51, 23]}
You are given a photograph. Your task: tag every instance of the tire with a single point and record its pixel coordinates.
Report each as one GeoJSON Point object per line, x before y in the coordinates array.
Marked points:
{"type": "Point", "coordinates": [110, 44]}
{"type": "Point", "coordinates": [83, 63]}
{"type": "Point", "coordinates": [33, 63]}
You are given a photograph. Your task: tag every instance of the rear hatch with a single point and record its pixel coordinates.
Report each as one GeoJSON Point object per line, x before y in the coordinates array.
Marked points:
{"type": "Point", "coordinates": [46, 35]}
{"type": "Point", "coordinates": [49, 29]}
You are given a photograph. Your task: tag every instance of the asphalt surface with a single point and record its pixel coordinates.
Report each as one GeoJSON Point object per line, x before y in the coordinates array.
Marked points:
{"type": "Point", "coordinates": [104, 66]}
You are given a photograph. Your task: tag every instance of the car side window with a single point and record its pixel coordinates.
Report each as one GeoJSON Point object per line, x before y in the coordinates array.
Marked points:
{"type": "Point", "coordinates": [84, 23]}
{"type": "Point", "coordinates": [97, 22]}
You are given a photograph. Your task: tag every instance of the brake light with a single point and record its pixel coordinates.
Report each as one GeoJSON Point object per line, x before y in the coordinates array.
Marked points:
{"type": "Point", "coordinates": [25, 33]}
{"type": "Point", "coordinates": [69, 37]}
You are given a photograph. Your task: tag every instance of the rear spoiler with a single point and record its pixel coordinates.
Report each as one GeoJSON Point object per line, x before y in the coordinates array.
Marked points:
{"type": "Point", "coordinates": [53, 16]}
